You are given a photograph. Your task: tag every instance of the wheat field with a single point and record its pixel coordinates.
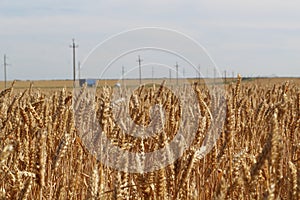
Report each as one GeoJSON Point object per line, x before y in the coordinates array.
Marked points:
{"type": "Point", "coordinates": [43, 135]}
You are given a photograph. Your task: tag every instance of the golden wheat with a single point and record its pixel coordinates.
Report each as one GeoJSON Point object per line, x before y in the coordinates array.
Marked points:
{"type": "Point", "coordinates": [43, 135]}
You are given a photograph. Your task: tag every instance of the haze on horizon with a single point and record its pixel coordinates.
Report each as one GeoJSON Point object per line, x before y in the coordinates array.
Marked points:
{"type": "Point", "coordinates": [253, 38]}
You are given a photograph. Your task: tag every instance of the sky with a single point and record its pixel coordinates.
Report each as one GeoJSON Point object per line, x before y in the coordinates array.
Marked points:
{"type": "Point", "coordinates": [253, 38]}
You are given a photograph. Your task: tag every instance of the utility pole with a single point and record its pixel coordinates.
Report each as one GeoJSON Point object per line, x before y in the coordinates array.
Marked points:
{"type": "Point", "coordinates": [140, 69]}
{"type": "Point", "coordinates": [170, 75]}
{"type": "Point", "coordinates": [79, 70]}
{"type": "Point", "coordinates": [225, 76]}
{"type": "Point", "coordinates": [152, 74]}
{"type": "Point", "coordinates": [199, 73]}
{"type": "Point", "coordinates": [123, 74]}
{"type": "Point", "coordinates": [73, 46]}
{"type": "Point", "coordinates": [215, 72]}
{"type": "Point", "coordinates": [207, 73]}
{"type": "Point", "coordinates": [176, 73]}
{"type": "Point", "coordinates": [5, 65]}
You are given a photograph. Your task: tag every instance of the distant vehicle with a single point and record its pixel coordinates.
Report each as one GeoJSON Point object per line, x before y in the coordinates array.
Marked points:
{"type": "Point", "coordinates": [88, 82]}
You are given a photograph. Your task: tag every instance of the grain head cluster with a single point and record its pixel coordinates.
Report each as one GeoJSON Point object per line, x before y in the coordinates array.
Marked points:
{"type": "Point", "coordinates": [51, 143]}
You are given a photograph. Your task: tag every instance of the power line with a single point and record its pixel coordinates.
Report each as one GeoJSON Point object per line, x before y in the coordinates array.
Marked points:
{"type": "Point", "coordinates": [73, 46]}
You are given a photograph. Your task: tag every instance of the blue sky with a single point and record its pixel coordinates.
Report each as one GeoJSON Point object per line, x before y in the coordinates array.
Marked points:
{"type": "Point", "coordinates": [254, 38]}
